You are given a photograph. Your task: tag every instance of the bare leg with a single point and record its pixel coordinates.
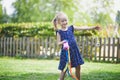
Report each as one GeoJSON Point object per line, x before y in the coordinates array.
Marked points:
{"type": "Point", "coordinates": [77, 71]}
{"type": "Point", "coordinates": [62, 75]}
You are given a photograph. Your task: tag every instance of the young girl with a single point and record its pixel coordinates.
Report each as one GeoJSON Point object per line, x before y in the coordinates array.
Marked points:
{"type": "Point", "coordinates": [67, 33]}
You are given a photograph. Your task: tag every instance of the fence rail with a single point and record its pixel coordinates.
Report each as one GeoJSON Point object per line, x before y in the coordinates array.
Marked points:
{"type": "Point", "coordinates": [97, 49]}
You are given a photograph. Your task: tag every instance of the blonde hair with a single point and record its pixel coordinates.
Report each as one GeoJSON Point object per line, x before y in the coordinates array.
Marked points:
{"type": "Point", "coordinates": [57, 18]}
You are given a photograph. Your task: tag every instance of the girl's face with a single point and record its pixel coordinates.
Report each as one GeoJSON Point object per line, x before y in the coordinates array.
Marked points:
{"type": "Point", "coordinates": [63, 21]}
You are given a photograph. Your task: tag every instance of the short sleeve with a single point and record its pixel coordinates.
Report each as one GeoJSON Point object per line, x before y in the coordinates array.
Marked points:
{"type": "Point", "coordinates": [57, 31]}
{"type": "Point", "coordinates": [72, 28]}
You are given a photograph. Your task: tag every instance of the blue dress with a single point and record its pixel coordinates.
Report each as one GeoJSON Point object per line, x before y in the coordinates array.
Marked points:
{"type": "Point", "coordinates": [75, 56]}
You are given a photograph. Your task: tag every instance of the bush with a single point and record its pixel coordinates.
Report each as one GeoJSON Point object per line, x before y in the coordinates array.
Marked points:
{"type": "Point", "coordinates": [34, 30]}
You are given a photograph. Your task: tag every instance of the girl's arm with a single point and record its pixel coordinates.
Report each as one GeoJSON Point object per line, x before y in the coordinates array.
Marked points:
{"type": "Point", "coordinates": [59, 42]}
{"type": "Point", "coordinates": [86, 28]}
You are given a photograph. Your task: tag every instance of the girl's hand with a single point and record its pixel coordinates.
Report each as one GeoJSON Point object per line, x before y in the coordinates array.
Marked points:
{"type": "Point", "coordinates": [65, 46]}
{"type": "Point", "coordinates": [64, 41]}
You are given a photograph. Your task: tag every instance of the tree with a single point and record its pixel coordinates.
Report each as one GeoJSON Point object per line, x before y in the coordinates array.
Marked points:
{"type": "Point", "coordinates": [41, 10]}
{"type": "Point", "coordinates": [101, 12]}
{"type": "Point", "coordinates": [116, 27]}
{"type": "Point", "coordinates": [26, 11]}
{"type": "Point", "coordinates": [3, 15]}
{"type": "Point", "coordinates": [118, 18]}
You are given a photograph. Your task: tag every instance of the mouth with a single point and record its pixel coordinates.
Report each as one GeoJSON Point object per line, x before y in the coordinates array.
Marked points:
{"type": "Point", "coordinates": [65, 24]}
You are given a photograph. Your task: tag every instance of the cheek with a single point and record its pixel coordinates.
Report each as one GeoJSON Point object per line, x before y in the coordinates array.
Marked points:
{"type": "Point", "coordinates": [59, 22]}
{"type": "Point", "coordinates": [67, 22]}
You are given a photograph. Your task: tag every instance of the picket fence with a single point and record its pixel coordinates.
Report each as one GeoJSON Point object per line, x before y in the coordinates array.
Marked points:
{"type": "Point", "coordinates": [91, 48]}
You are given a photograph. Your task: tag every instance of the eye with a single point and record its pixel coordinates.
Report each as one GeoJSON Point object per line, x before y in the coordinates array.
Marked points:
{"type": "Point", "coordinates": [62, 21]}
{"type": "Point", "coordinates": [65, 20]}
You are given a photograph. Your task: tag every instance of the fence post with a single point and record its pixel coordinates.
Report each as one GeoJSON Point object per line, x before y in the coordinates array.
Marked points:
{"type": "Point", "coordinates": [118, 50]}
{"type": "Point", "coordinates": [104, 49]}
{"type": "Point", "coordinates": [82, 45]}
{"type": "Point", "coordinates": [95, 56]}
{"type": "Point", "coordinates": [87, 55]}
{"type": "Point", "coordinates": [11, 46]}
{"type": "Point", "coordinates": [1, 46]}
{"type": "Point", "coordinates": [109, 40]}
{"type": "Point", "coordinates": [91, 49]}
{"type": "Point", "coordinates": [100, 46]}
{"type": "Point", "coordinates": [107, 50]}
{"type": "Point", "coordinates": [113, 48]}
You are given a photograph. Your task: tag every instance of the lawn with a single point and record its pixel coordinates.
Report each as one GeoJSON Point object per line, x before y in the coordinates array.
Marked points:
{"type": "Point", "coordinates": [36, 69]}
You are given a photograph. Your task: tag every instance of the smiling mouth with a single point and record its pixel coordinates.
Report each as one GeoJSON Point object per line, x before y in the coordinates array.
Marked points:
{"type": "Point", "coordinates": [65, 24]}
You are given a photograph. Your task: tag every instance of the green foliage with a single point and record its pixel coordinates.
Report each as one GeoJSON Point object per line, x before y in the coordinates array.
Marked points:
{"type": "Point", "coordinates": [83, 17]}
{"type": "Point", "coordinates": [0, 12]}
{"type": "Point", "coordinates": [101, 13]}
{"type": "Point", "coordinates": [87, 33]}
{"type": "Point", "coordinates": [103, 19]}
{"type": "Point", "coordinates": [3, 15]}
{"type": "Point", "coordinates": [45, 10]}
{"type": "Point", "coordinates": [34, 30]}
{"type": "Point", "coordinates": [41, 10]}
{"type": "Point", "coordinates": [26, 11]}
{"type": "Point", "coordinates": [118, 17]}
{"type": "Point", "coordinates": [26, 29]}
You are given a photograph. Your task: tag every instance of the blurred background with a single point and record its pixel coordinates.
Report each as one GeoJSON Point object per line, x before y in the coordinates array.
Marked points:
{"type": "Point", "coordinates": [104, 13]}
{"type": "Point", "coordinates": [26, 29]}
{"type": "Point", "coordinates": [82, 11]}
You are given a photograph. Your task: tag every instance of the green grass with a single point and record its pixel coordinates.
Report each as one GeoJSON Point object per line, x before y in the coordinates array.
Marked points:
{"type": "Point", "coordinates": [35, 69]}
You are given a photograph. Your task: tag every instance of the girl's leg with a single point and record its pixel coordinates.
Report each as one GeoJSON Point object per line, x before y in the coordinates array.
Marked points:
{"type": "Point", "coordinates": [62, 75]}
{"type": "Point", "coordinates": [77, 71]}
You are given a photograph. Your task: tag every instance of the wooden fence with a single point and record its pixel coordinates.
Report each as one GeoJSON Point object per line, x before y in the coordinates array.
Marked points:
{"type": "Point", "coordinates": [97, 49]}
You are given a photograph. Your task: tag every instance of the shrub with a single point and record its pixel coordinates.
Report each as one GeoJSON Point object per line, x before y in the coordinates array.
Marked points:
{"type": "Point", "coordinates": [34, 30]}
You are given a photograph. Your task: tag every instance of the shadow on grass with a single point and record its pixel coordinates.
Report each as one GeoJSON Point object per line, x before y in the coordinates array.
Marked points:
{"type": "Point", "coordinates": [54, 76]}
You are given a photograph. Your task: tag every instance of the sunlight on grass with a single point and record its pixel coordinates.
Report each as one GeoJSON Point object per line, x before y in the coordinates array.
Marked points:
{"type": "Point", "coordinates": [29, 65]}
{"type": "Point", "coordinates": [35, 69]}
